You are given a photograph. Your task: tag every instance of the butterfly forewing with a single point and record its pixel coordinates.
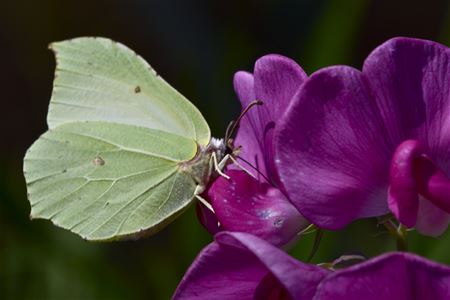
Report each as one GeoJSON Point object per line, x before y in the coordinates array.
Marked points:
{"type": "Point", "coordinates": [108, 181]}
{"type": "Point", "coordinates": [100, 80]}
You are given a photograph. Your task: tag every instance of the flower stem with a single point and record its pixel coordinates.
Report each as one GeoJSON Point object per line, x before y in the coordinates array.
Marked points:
{"type": "Point", "coordinates": [315, 247]}
{"type": "Point", "coordinates": [399, 233]}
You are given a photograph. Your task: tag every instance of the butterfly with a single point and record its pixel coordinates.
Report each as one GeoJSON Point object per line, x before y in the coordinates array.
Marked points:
{"type": "Point", "coordinates": [125, 153]}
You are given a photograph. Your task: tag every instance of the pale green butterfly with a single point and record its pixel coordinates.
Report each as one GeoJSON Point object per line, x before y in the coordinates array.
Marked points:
{"type": "Point", "coordinates": [125, 153]}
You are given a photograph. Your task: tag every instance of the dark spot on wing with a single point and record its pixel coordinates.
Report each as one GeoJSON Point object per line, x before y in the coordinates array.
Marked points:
{"type": "Point", "coordinates": [98, 161]}
{"type": "Point", "coordinates": [137, 89]}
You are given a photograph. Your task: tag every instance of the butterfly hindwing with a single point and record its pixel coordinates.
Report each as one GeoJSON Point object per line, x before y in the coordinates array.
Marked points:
{"type": "Point", "coordinates": [108, 181]}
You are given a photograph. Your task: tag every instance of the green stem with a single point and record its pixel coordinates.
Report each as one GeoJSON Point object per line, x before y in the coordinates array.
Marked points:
{"type": "Point", "coordinates": [399, 233]}
{"type": "Point", "coordinates": [315, 247]}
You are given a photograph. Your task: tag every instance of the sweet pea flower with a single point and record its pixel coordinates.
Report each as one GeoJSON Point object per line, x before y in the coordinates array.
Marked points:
{"type": "Point", "coordinates": [357, 144]}
{"type": "Point", "coordinates": [242, 266]}
{"type": "Point", "coordinates": [255, 204]}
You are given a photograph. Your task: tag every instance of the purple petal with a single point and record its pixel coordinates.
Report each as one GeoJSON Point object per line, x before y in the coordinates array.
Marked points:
{"type": "Point", "coordinates": [390, 276]}
{"type": "Point", "coordinates": [432, 183]}
{"type": "Point", "coordinates": [234, 265]}
{"type": "Point", "coordinates": [300, 280]}
{"type": "Point", "coordinates": [208, 219]}
{"type": "Point", "coordinates": [244, 87]}
{"type": "Point", "coordinates": [331, 154]}
{"type": "Point", "coordinates": [247, 135]}
{"type": "Point", "coordinates": [275, 81]}
{"type": "Point", "coordinates": [271, 289]}
{"type": "Point", "coordinates": [224, 271]}
{"type": "Point", "coordinates": [411, 82]}
{"type": "Point", "coordinates": [244, 204]}
{"type": "Point", "coordinates": [277, 78]}
{"type": "Point", "coordinates": [413, 173]}
{"type": "Point", "coordinates": [431, 220]}
{"type": "Point", "coordinates": [403, 198]}
{"type": "Point", "coordinates": [403, 94]}
{"type": "Point", "coordinates": [410, 79]}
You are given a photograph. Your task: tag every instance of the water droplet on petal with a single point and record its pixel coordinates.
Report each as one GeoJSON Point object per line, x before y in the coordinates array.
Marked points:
{"type": "Point", "coordinates": [278, 223]}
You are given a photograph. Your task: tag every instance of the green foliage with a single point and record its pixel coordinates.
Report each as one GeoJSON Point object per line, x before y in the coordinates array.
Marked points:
{"type": "Point", "coordinates": [334, 36]}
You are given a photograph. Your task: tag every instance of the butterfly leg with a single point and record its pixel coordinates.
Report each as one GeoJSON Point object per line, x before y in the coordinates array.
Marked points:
{"type": "Point", "coordinates": [208, 205]}
{"type": "Point", "coordinates": [228, 157]}
{"type": "Point", "coordinates": [218, 167]}
{"type": "Point", "coordinates": [205, 203]}
{"type": "Point", "coordinates": [241, 166]}
{"type": "Point", "coordinates": [223, 162]}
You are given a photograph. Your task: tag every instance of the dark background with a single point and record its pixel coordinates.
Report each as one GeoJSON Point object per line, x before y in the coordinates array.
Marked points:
{"type": "Point", "coordinates": [196, 46]}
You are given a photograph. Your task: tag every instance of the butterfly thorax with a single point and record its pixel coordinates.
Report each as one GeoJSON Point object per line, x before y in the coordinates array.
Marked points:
{"type": "Point", "coordinates": [202, 168]}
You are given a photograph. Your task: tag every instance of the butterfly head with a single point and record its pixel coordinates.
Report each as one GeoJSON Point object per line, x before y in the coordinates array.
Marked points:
{"type": "Point", "coordinates": [218, 146]}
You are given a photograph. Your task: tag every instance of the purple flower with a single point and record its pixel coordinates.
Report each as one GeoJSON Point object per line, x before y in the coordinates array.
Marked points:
{"type": "Point", "coordinates": [242, 266]}
{"type": "Point", "coordinates": [256, 205]}
{"type": "Point", "coordinates": [275, 81]}
{"type": "Point", "coordinates": [356, 144]}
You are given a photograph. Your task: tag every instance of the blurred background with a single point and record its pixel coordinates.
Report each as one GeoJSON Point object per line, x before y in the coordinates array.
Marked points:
{"type": "Point", "coordinates": [196, 46]}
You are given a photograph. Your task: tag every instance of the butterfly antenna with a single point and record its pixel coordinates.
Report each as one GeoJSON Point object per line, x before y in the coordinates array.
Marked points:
{"type": "Point", "coordinates": [228, 131]}
{"type": "Point", "coordinates": [254, 168]}
{"type": "Point", "coordinates": [235, 124]}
